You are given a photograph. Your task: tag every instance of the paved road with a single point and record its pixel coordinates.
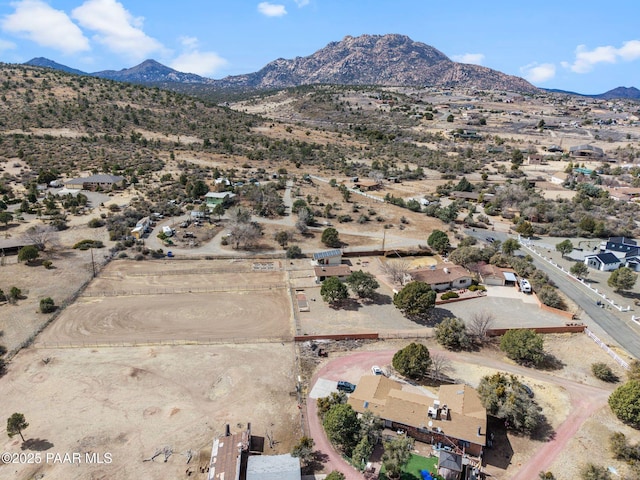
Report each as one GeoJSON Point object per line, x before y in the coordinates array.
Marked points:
{"type": "Point", "coordinates": [616, 328]}
{"type": "Point", "coordinates": [612, 325]}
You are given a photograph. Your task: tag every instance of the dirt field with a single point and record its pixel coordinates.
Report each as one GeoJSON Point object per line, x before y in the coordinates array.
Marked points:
{"type": "Point", "coordinates": [130, 402]}
{"type": "Point", "coordinates": [139, 302]}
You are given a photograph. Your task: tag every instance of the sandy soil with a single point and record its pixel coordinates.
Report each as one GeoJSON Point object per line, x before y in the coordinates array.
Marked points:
{"type": "Point", "coordinates": [130, 402]}
{"type": "Point", "coordinates": [133, 302]}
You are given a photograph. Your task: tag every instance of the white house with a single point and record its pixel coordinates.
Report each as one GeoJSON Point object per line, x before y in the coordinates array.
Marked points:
{"type": "Point", "coordinates": [558, 178]}
{"type": "Point", "coordinates": [604, 262]}
{"type": "Point", "coordinates": [328, 257]}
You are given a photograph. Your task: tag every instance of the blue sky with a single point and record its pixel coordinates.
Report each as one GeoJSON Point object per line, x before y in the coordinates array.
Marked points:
{"type": "Point", "coordinates": [585, 46]}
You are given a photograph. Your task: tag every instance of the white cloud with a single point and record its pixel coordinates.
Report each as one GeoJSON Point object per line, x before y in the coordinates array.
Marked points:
{"type": "Point", "coordinates": [630, 50]}
{"type": "Point", "coordinates": [6, 45]}
{"type": "Point", "coordinates": [191, 60]}
{"type": "Point", "coordinates": [42, 24]}
{"type": "Point", "coordinates": [586, 60]}
{"type": "Point", "coordinates": [474, 58]}
{"type": "Point", "coordinates": [189, 42]}
{"type": "Point", "coordinates": [271, 9]}
{"type": "Point", "coordinates": [538, 73]}
{"type": "Point", "coordinates": [116, 28]}
{"type": "Point", "coordinates": [200, 63]}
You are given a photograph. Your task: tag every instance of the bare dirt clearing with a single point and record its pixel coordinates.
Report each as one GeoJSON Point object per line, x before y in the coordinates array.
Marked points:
{"type": "Point", "coordinates": [130, 402]}
{"type": "Point", "coordinates": [134, 302]}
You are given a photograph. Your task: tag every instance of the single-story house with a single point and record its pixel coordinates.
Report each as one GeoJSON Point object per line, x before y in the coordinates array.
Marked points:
{"type": "Point", "coordinates": [367, 185]}
{"type": "Point", "coordinates": [535, 159]}
{"type": "Point", "coordinates": [328, 257]}
{"type": "Point", "coordinates": [222, 180]}
{"type": "Point", "coordinates": [559, 178]}
{"type": "Point", "coordinates": [322, 272]}
{"type": "Point", "coordinates": [605, 262]}
{"type": "Point", "coordinates": [214, 198]}
{"type": "Point", "coordinates": [453, 276]}
{"type": "Point", "coordinates": [94, 182]}
{"type": "Point", "coordinates": [467, 135]}
{"type": "Point", "coordinates": [586, 151]}
{"type": "Point", "coordinates": [456, 420]}
{"type": "Point", "coordinates": [473, 196]}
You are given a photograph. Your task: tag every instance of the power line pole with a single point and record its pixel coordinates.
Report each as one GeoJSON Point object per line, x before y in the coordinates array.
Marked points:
{"type": "Point", "coordinates": [93, 264]}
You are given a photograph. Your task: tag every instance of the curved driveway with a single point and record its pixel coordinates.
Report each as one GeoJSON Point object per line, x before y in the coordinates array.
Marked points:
{"type": "Point", "coordinates": [585, 401]}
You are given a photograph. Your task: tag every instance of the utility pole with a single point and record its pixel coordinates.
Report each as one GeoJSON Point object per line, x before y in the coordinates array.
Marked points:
{"type": "Point", "coordinates": [384, 237]}
{"type": "Point", "coordinates": [93, 264]}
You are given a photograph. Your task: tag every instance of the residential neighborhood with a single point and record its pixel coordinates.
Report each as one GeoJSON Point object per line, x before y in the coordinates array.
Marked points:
{"type": "Point", "coordinates": [319, 280]}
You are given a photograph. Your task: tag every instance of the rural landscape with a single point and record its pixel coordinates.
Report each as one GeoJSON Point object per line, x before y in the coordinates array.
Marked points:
{"type": "Point", "coordinates": [325, 269]}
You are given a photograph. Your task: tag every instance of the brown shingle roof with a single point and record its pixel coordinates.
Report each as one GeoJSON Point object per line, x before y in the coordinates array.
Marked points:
{"type": "Point", "coordinates": [332, 271]}
{"type": "Point", "coordinates": [385, 398]}
{"type": "Point", "coordinates": [440, 275]}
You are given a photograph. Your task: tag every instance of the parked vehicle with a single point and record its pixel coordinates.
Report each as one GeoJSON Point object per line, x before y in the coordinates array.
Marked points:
{"type": "Point", "coordinates": [344, 386]}
{"type": "Point", "coordinates": [525, 286]}
{"type": "Point", "coordinates": [376, 370]}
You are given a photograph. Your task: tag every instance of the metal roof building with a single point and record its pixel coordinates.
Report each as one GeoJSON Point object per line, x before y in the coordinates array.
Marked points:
{"type": "Point", "coordinates": [273, 467]}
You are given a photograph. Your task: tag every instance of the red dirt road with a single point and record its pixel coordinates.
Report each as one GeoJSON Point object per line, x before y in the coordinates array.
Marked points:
{"type": "Point", "coordinates": [585, 400]}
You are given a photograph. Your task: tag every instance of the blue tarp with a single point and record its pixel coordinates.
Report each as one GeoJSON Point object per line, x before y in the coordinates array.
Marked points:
{"type": "Point", "coordinates": [426, 475]}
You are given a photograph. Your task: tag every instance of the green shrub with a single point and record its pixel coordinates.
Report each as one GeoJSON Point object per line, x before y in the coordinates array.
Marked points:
{"type": "Point", "coordinates": [449, 295]}
{"type": "Point", "coordinates": [475, 288]}
{"type": "Point", "coordinates": [47, 305]}
{"type": "Point", "coordinates": [87, 243]}
{"type": "Point", "coordinates": [47, 264]}
{"type": "Point", "coordinates": [603, 372]}
{"type": "Point", "coordinates": [294, 251]}
{"type": "Point", "coordinates": [96, 223]}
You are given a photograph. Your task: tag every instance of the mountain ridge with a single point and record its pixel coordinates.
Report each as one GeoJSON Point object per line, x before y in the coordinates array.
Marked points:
{"type": "Point", "coordinates": [385, 60]}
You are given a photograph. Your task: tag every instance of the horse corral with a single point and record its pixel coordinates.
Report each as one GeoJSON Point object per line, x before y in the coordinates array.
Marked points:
{"type": "Point", "coordinates": [176, 302]}
{"type": "Point", "coordinates": [151, 362]}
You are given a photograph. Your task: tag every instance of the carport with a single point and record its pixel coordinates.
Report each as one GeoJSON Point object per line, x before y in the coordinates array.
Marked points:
{"type": "Point", "coordinates": [510, 279]}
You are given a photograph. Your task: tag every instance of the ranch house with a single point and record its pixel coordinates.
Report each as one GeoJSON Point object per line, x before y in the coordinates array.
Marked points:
{"type": "Point", "coordinates": [456, 421]}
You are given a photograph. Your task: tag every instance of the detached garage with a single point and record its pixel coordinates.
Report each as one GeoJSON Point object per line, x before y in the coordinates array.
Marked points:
{"type": "Point", "coordinates": [492, 275]}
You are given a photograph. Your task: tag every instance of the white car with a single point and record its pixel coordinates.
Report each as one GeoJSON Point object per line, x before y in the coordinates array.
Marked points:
{"type": "Point", "coordinates": [376, 370]}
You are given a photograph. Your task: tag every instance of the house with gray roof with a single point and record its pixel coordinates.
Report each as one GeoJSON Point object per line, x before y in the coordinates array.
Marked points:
{"type": "Point", "coordinates": [604, 262]}
{"type": "Point", "coordinates": [586, 151]}
{"type": "Point", "coordinates": [94, 182]}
